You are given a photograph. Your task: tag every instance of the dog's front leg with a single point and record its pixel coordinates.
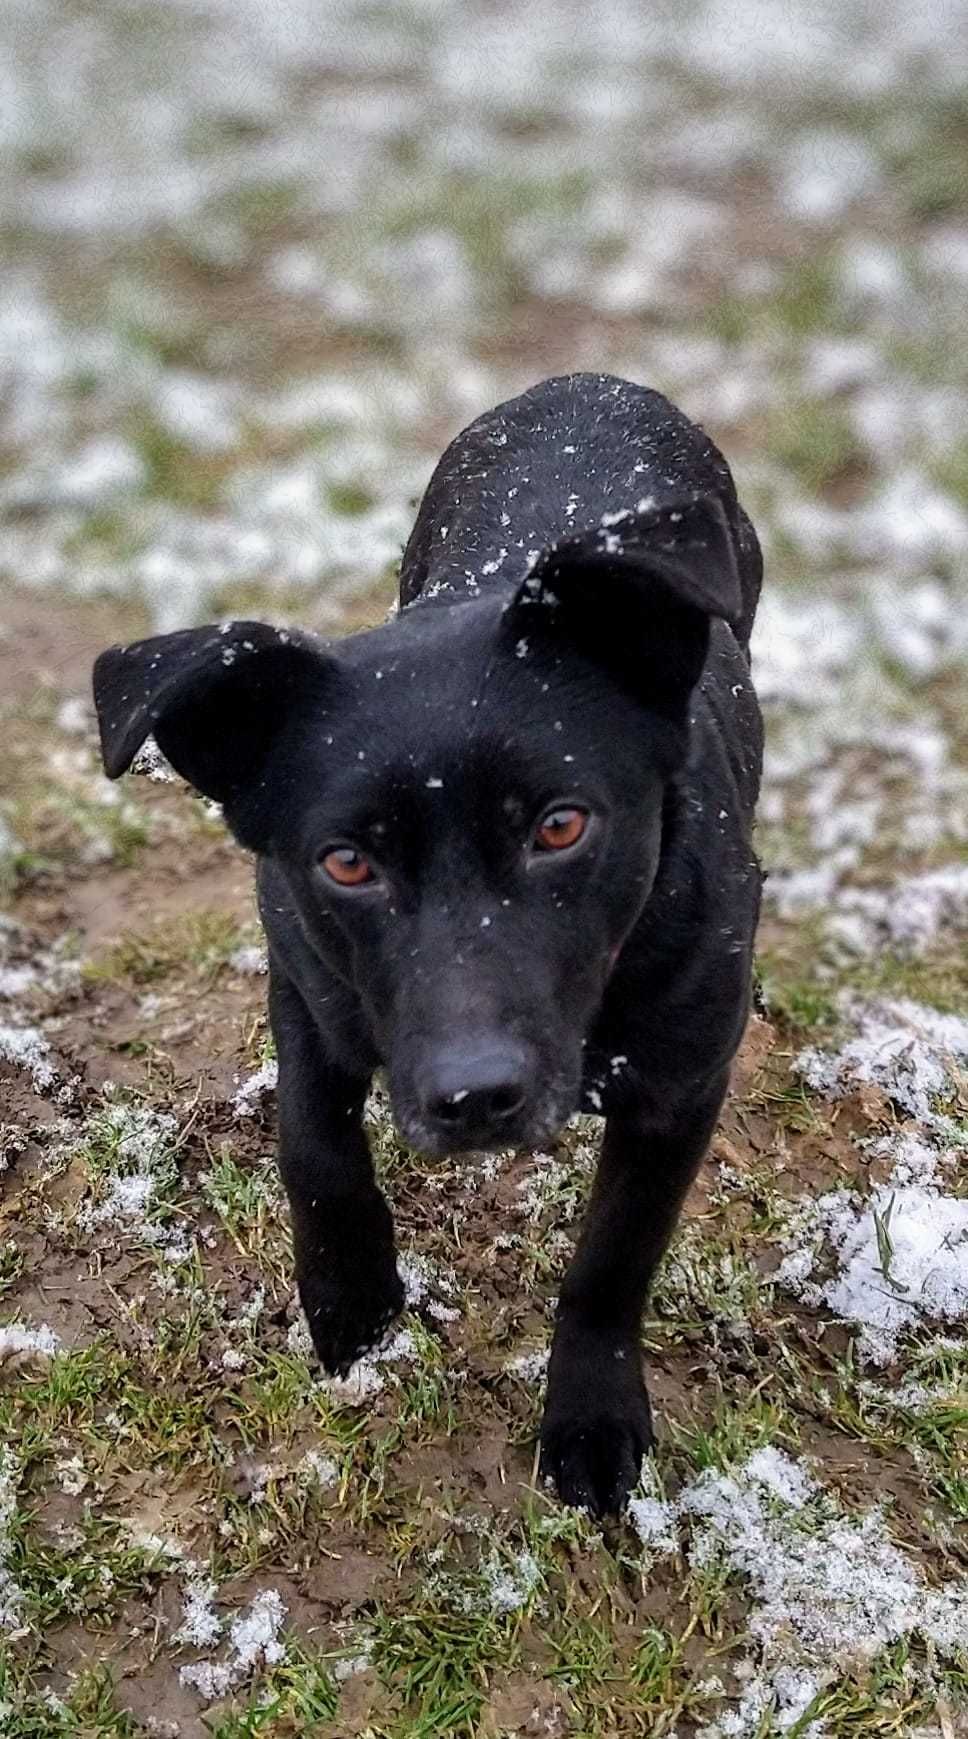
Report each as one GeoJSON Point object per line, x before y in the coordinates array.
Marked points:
{"type": "Point", "coordinates": [341, 1226]}
{"type": "Point", "coordinates": [597, 1423]}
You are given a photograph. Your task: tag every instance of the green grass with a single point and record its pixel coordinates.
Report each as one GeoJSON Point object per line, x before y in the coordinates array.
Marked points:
{"type": "Point", "coordinates": [57, 827]}
{"type": "Point", "coordinates": [293, 1698]}
{"type": "Point", "coordinates": [951, 470]}
{"type": "Point", "coordinates": [805, 300]}
{"type": "Point", "coordinates": [816, 442]}
{"type": "Point", "coordinates": [201, 943]}
{"type": "Point", "coordinates": [930, 167]}
{"type": "Point", "coordinates": [88, 1708]}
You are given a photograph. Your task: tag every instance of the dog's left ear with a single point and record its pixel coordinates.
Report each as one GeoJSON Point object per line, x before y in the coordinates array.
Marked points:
{"type": "Point", "coordinates": [638, 592]}
{"type": "Point", "coordinates": [217, 700]}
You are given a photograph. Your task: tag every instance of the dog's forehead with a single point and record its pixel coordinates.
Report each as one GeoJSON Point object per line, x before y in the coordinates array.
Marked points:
{"type": "Point", "coordinates": [449, 689]}
{"type": "Point", "coordinates": [429, 667]}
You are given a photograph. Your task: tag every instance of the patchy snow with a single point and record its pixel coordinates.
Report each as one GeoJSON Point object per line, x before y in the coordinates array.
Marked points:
{"type": "Point", "coordinates": [510, 1585]}
{"type": "Point", "coordinates": [530, 1367]}
{"type": "Point", "coordinates": [829, 1590]}
{"type": "Point", "coordinates": [887, 1263]}
{"type": "Point", "coordinates": [201, 1625]}
{"type": "Point", "coordinates": [299, 1340]}
{"type": "Point", "coordinates": [14, 980]}
{"type": "Point", "coordinates": [352, 1664]}
{"type": "Point", "coordinates": [106, 468]}
{"type": "Point", "coordinates": [251, 962]}
{"type": "Point", "coordinates": [652, 1515]}
{"type": "Point", "coordinates": [11, 1599]}
{"type": "Point", "coordinates": [308, 463]}
{"type": "Point", "coordinates": [199, 412]}
{"type": "Point", "coordinates": [830, 1584]}
{"type": "Point", "coordinates": [150, 763]}
{"type": "Point", "coordinates": [908, 916]}
{"type": "Point", "coordinates": [74, 716]}
{"type": "Point", "coordinates": [422, 1279]}
{"type": "Point", "coordinates": [900, 1046]}
{"type": "Point", "coordinates": [72, 1475]}
{"type": "Point", "coordinates": [26, 1048]}
{"type": "Point", "coordinates": [802, 648]}
{"type": "Point", "coordinates": [321, 1470]}
{"type": "Point", "coordinates": [134, 1164]}
{"type": "Point", "coordinates": [247, 1099]}
{"type": "Point", "coordinates": [366, 1377]}
{"type": "Point", "coordinates": [253, 1641]}
{"type": "Point", "coordinates": [17, 1337]}
{"type": "Point", "coordinates": [824, 172]}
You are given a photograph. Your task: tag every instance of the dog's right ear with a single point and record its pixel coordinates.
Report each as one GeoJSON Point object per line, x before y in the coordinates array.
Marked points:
{"type": "Point", "coordinates": [637, 594]}
{"type": "Point", "coordinates": [215, 699]}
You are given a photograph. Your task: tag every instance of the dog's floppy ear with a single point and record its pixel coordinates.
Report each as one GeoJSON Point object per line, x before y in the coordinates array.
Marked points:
{"type": "Point", "coordinates": [215, 699]}
{"type": "Point", "coordinates": [639, 589]}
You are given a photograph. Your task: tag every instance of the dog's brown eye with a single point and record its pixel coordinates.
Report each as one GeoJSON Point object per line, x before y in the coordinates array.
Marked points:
{"type": "Point", "coordinates": [347, 867]}
{"type": "Point", "coordinates": [560, 829]}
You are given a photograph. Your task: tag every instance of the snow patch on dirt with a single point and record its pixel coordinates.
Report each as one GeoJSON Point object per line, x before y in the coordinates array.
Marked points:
{"type": "Point", "coordinates": [254, 1639]}
{"type": "Point", "coordinates": [899, 1256]}
{"type": "Point", "coordinates": [903, 1047]}
{"type": "Point", "coordinates": [26, 1048]}
{"type": "Point", "coordinates": [17, 1338]}
{"type": "Point", "coordinates": [251, 1092]}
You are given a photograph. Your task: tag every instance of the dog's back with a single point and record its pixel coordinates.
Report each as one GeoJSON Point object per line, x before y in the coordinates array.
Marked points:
{"type": "Point", "coordinates": [559, 460]}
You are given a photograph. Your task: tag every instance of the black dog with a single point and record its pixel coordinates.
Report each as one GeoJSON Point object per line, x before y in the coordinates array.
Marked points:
{"type": "Point", "coordinates": [504, 851]}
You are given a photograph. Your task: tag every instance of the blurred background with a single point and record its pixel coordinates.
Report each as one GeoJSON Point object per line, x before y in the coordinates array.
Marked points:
{"type": "Point", "coordinates": [261, 262]}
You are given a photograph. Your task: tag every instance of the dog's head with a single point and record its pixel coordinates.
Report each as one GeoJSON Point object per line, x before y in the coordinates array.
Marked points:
{"type": "Point", "coordinates": [466, 803]}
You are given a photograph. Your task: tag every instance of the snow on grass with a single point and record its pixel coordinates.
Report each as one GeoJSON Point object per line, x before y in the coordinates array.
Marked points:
{"type": "Point", "coordinates": [422, 1280]}
{"type": "Point", "coordinates": [129, 1151]}
{"type": "Point", "coordinates": [14, 980]}
{"type": "Point", "coordinates": [802, 648]}
{"type": "Point", "coordinates": [903, 1047]}
{"type": "Point", "coordinates": [652, 1515]}
{"type": "Point", "coordinates": [888, 1263]}
{"type": "Point", "coordinates": [109, 437]}
{"type": "Point", "coordinates": [362, 1382]}
{"type": "Point", "coordinates": [829, 1590]}
{"type": "Point", "coordinates": [530, 1367]}
{"type": "Point", "coordinates": [912, 1396]}
{"type": "Point", "coordinates": [74, 716]}
{"type": "Point", "coordinates": [366, 1377]}
{"type": "Point", "coordinates": [104, 470]}
{"type": "Point", "coordinates": [832, 1585]}
{"type": "Point", "coordinates": [11, 1599]}
{"type": "Point", "coordinates": [318, 1469]}
{"type": "Point", "coordinates": [511, 1584]}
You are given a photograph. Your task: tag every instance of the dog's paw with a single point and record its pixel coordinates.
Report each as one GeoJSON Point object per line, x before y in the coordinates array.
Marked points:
{"type": "Point", "coordinates": [347, 1315]}
{"type": "Point", "coordinates": [593, 1452]}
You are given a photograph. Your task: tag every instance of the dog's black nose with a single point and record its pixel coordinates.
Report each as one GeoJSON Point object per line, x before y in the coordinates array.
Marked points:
{"type": "Point", "coordinates": [470, 1092]}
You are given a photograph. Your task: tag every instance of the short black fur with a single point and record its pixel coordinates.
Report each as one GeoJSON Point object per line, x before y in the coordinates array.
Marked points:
{"type": "Point", "coordinates": [571, 652]}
